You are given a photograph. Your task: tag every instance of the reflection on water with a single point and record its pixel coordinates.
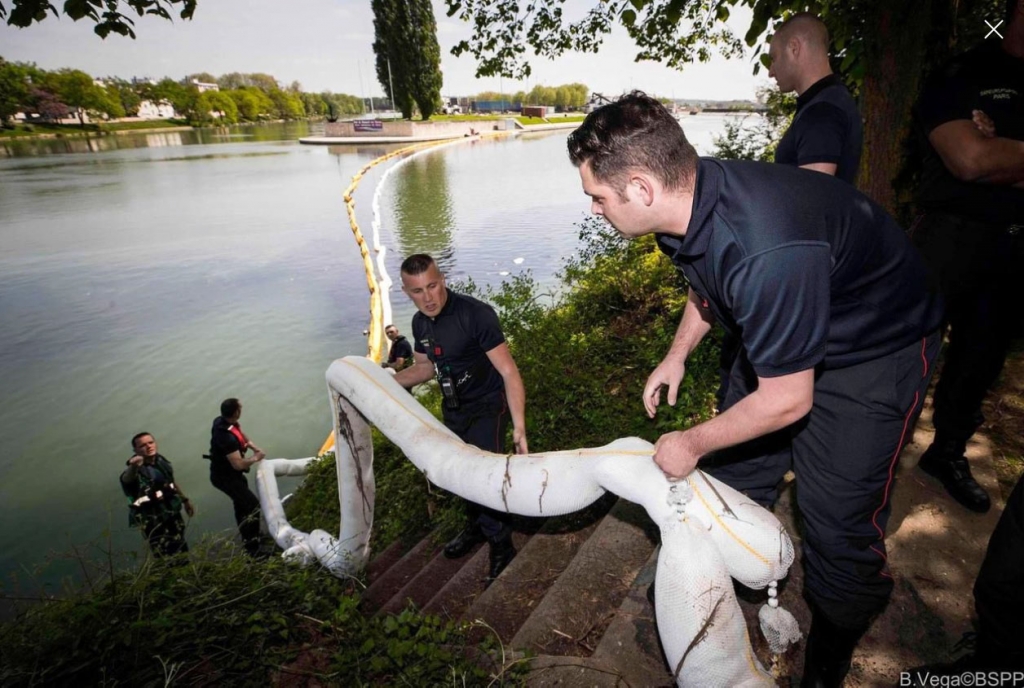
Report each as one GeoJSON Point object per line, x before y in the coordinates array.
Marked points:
{"type": "Point", "coordinates": [423, 215]}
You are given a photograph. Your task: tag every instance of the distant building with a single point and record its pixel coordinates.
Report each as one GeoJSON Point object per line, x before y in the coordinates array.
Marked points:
{"type": "Point", "coordinates": [203, 86]}
{"type": "Point", "coordinates": [161, 110]}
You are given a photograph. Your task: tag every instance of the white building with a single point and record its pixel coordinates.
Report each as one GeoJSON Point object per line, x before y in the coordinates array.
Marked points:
{"type": "Point", "coordinates": [150, 110]}
{"type": "Point", "coordinates": [204, 87]}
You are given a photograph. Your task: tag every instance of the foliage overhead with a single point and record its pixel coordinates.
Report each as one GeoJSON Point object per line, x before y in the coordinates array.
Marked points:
{"type": "Point", "coordinates": [108, 15]}
{"type": "Point", "coordinates": [503, 30]}
{"type": "Point", "coordinates": [675, 32]}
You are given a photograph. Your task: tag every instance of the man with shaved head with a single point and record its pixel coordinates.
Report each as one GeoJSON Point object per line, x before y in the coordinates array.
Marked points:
{"type": "Point", "coordinates": [826, 134]}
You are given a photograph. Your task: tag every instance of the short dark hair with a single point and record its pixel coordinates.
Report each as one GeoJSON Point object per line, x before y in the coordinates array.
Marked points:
{"type": "Point", "coordinates": [229, 407]}
{"type": "Point", "coordinates": [417, 264]}
{"type": "Point", "coordinates": [634, 132]}
{"type": "Point", "coordinates": [139, 436]}
{"type": "Point", "coordinates": [1011, 9]}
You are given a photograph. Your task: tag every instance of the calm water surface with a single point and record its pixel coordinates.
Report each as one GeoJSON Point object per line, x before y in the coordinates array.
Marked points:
{"type": "Point", "coordinates": [145, 278]}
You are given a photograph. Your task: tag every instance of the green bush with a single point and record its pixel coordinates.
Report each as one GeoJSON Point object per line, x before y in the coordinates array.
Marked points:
{"type": "Point", "coordinates": [210, 619]}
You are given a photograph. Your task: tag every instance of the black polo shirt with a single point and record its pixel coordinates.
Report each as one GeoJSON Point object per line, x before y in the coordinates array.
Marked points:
{"type": "Point", "coordinates": [985, 78]}
{"type": "Point", "coordinates": [460, 336]}
{"type": "Point", "coordinates": [825, 128]}
{"type": "Point", "coordinates": [400, 348]}
{"type": "Point", "coordinates": [802, 267]}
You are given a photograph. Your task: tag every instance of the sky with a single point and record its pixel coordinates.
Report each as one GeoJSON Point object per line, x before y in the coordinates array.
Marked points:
{"type": "Point", "coordinates": [327, 45]}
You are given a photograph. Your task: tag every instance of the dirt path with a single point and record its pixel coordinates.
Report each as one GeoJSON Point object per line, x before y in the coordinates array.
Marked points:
{"type": "Point", "coordinates": [935, 546]}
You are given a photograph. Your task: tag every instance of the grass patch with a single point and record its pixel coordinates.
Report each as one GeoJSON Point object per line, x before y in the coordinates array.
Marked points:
{"type": "Point", "coordinates": [465, 118]}
{"type": "Point", "coordinates": [148, 124]}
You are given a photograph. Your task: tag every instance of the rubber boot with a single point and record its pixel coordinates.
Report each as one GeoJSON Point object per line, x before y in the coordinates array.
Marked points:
{"type": "Point", "coordinates": [828, 654]}
{"type": "Point", "coordinates": [463, 543]}
{"type": "Point", "coordinates": [501, 555]}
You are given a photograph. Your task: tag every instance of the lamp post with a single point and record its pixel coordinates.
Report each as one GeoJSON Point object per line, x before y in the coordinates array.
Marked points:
{"type": "Point", "coordinates": [391, 82]}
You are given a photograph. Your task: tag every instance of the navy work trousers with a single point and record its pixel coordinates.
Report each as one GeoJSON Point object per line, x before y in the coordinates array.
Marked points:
{"type": "Point", "coordinates": [483, 424]}
{"type": "Point", "coordinates": [844, 454]}
{"type": "Point", "coordinates": [976, 267]}
{"type": "Point", "coordinates": [247, 505]}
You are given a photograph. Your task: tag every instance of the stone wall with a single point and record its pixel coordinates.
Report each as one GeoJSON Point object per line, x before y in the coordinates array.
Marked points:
{"type": "Point", "coordinates": [438, 130]}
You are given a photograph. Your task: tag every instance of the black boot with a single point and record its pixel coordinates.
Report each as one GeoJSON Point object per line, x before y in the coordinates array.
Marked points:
{"type": "Point", "coordinates": [828, 654]}
{"type": "Point", "coordinates": [464, 542]}
{"type": "Point", "coordinates": [945, 460]}
{"type": "Point", "coordinates": [502, 553]}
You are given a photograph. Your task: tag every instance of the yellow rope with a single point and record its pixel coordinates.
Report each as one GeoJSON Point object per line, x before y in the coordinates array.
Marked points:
{"type": "Point", "coordinates": [721, 523]}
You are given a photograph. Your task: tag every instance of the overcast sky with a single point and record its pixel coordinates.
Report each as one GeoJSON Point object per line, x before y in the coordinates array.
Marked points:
{"type": "Point", "coordinates": [325, 44]}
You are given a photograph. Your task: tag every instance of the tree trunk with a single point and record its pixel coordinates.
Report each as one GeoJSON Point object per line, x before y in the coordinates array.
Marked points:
{"type": "Point", "coordinates": [894, 56]}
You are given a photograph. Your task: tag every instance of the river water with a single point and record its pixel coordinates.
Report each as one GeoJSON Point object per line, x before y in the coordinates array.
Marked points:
{"type": "Point", "coordinates": [144, 278]}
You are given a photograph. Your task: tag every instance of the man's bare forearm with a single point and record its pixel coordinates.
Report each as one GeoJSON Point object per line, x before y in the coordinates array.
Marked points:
{"type": "Point", "coordinates": [695, 323]}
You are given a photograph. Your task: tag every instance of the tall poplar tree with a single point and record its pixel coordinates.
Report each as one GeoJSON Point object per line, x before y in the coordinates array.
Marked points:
{"type": "Point", "coordinates": [405, 33]}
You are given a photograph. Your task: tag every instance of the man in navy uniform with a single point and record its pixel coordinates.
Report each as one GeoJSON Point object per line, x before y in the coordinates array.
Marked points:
{"type": "Point", "coordinates": [838, 329]}
{"type": "Point", "coordinates": [460, 343]}
{"type": "Point", "coordinates": [971, 233]}
{"type": "Point", "coordinates": [826, 134]}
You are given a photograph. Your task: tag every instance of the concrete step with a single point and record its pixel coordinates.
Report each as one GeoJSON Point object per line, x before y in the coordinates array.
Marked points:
{"type": "Point", "coordinates": [574, 672]}
{"type": "Point", "coordinates": [456, 596]}
{"type": "Point", "coordinates": [398, 575]}
{"type": "Point", "coordinates": [387, 558]}
{"type": "Point", "coordinates": [573, 616]}
{"type": "Point", "coordinates": [512, 598]}
{"type": "Point", "coordinates": [425, 584]}
{"type": "Point", "coordinates": [631, 643]}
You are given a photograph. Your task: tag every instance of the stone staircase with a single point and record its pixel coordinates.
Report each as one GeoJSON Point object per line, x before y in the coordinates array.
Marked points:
{"type": "Point", "coordinates": [574, 596]}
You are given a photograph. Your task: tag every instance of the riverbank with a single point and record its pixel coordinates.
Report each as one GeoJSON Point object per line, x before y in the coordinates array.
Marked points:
{"type": "Point", "coordinates": [58, 131]}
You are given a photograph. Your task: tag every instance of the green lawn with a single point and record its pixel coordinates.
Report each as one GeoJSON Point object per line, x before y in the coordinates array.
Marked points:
{"type": "Point", "coordinates": [463, 118]}
{"type": "Point", "coordinates": [551, 120]}
{"type": "Point", "coordinates": [148, 124]}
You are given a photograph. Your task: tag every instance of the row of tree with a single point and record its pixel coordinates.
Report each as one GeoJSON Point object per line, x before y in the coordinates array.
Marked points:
{"type": "Point", "coordinates": [566, 96]}
{"type": "Point", "coordinates": [55, 95]}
